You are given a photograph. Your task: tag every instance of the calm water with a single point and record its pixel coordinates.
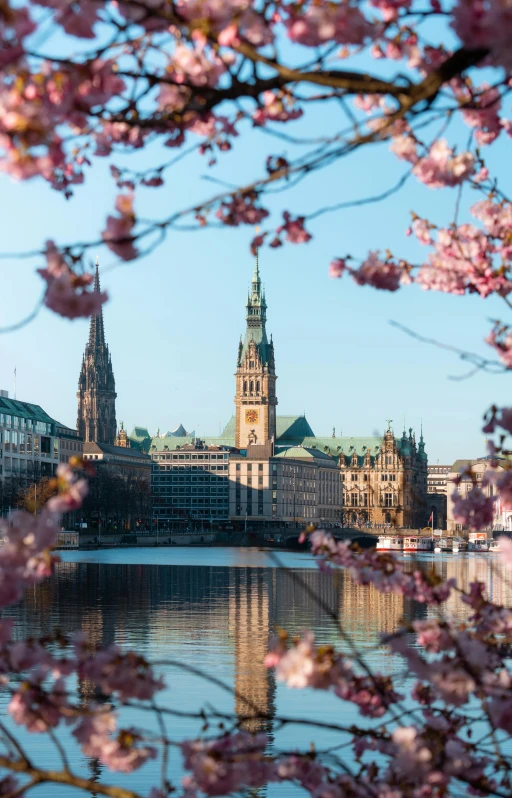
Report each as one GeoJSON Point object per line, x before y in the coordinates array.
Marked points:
{"type": "Point", "coordinates": [214, 608]}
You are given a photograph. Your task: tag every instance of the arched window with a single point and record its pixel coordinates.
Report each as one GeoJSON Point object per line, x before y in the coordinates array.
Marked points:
{"type": "Point", "coordinates": [251, 388]}
{"type": "Point", "coordinates": [245, 386]}
{"type": "Point", "coordinates": [258, 387]}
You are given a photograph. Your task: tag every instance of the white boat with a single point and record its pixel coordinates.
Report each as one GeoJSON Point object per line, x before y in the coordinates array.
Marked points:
{"type": "Point", "coordinates": [417, 543]}
{"type": "Point", "coordinates": [478, 542]}
{"type": "Point", "coordinates": [437, 549]}
{"type": "Point", "coordinates": [390, 543]}
{"type": "Point", "coordinates": [455, 547]}
{"type": "Point", "coordinates": [494, 547]}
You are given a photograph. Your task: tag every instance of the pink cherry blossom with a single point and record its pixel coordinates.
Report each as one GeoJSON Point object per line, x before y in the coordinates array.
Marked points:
{"type": "Point", "coordinates": [125, 752]}
{"type": "Point", "coordinates": [229, 763]}
{"type": "Point", "coordinates": [118, 233]}
{"type": "Point", "coordinates": [500, 338]}
{"type": "Point", "coordinates": [294, 229]}
{"type": "Point", "coordinates": [129, 675]}
{"type": "Point", "coordinates": [337, 267]}
{"type": "Point", "coordinates": [441, 167]}
{"type": "Point", "coordinates": [276, 107]}
{"type": "Point", "coordinates": [385, 275]}
{"type": "Point", "coordinates": [474, 510]}
{"type": "Point", "coordinates": [505, 545]}
{"type": "Point", "coordinates": [36, 708]}
{"type": "Point", "coordinates": [344, 24]}
{"type": "Point", "coordinates": [390, 8]}
{"type": "Point", "coordinates": [241, 209]}
{"type": "Point", "coordinates": [405, 148]}
{"type": "Point", "coordinates": [66, 292]}
{"type": "Point", "coordinates": [485, 118]}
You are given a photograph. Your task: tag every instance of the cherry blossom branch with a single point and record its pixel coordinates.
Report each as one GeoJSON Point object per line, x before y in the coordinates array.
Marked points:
{"type": "Point", "coordinates": [43, 776]}
{"type": "Point", "coordinates": [480, 362]}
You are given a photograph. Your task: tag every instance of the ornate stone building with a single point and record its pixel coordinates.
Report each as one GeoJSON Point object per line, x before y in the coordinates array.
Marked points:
{"type": "Point", "coordinates": [385, 482]}
{"type": "Point", "coordinates": [384, 479]}
{"type": "Point", "coordinates": [96, 394]}
{"type": "Point", "coordinates": [255, 400]}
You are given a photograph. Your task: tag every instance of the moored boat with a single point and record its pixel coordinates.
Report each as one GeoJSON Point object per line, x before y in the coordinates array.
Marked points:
{"type": "Point", "coordinates": [390, 543]}
{"type": "Point", "coordinates": [417, 543]}
{"type": "Point", "coordinates": [478, 542]}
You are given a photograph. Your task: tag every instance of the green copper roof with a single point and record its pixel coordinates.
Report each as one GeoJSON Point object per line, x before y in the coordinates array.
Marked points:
{"type": "Point", "coordinates": [139, 433]}
{"type": "Point", "coordinates": [255, 320]}
{"type": "Point", "coordinates": [335, 446]}
{"type": "Point", "coordinates": [14, 407]}
{"type": "Point", "coordinates": [301, 452]}
{"type": "Point", "coordinates": [292, 429]}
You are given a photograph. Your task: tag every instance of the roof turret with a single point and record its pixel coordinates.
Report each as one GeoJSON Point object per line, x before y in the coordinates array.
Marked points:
{"type": "Point", "coordinates": [256, 317]}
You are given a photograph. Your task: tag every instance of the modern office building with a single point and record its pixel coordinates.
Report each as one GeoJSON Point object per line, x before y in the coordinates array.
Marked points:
{"type": "Point", "coordinates": [29, 441]}
{"type": "Point", "coordinates": [190, 484]}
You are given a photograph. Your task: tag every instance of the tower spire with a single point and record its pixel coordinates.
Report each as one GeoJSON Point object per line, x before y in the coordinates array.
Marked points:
{"type": "Point", "coordinates": [96, 419]}
{"type": "Point", "coordinates": [96, 329]}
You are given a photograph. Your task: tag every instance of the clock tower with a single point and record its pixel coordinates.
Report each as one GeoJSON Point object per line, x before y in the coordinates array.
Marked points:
{"type": "Point", "coordinates": [255, 398]}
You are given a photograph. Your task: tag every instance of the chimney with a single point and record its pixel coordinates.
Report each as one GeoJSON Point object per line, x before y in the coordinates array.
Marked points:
{"type": "Point", "coordinates": [4, 394]}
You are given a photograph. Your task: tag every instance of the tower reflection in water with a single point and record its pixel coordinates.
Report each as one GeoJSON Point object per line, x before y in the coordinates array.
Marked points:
{"type": "Point", "coordinates": [220, 618]}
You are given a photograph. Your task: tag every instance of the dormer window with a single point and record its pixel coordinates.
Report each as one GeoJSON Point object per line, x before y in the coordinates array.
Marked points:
{"type": "Point", "coordinates": [251, 364]}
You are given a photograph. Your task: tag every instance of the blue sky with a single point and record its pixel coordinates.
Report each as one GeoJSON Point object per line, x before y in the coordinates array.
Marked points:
{"type": "Point", "coordinates": [175, 317]}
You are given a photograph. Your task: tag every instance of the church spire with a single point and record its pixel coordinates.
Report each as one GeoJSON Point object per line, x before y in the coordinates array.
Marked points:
{"type": "Point", "coordinates": [96, 328]}
{"type": "Point", "coordinates": [96, 420]}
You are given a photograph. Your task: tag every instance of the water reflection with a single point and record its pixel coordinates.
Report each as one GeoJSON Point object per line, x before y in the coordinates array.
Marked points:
{"type": "Point", "coordinates": [219, 618]}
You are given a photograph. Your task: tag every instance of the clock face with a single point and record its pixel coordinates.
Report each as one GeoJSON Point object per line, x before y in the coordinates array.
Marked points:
{"type": "Point", "coordinates": [251, 416]}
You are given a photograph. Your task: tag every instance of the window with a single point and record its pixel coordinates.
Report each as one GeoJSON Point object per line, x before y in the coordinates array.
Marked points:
{"type": "Point", "coordinates": [353, 477]}
{"type": "Point", "coordinates": [7, 441]}
{"type": "Point", "coordinates": [388, 500]}
{"type": "Point", "coordinates": [249, 466]}
{"type": "Point", "coordinates": [274, 509]}
{"type": "Point", "coordinates": [258, 386]}
{"type": "Point", "coordinates": [366, 477]}
{"type": "Point", "coordinates": [354, 501]}
{"type": "Point", "coordinates": [365, 500]}
{"type": "Point", "coordinates": [238, 466]}
{"type": "Point", "coordinates": [260, 466]}
{"type": "Point", "coordinates": [45, 444]}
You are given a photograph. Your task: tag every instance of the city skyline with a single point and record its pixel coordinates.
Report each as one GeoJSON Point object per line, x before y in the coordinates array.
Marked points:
{"type": "Point", "coordinates": [174, 319]}
{"type": "Point", "coordinates": [166, 418]}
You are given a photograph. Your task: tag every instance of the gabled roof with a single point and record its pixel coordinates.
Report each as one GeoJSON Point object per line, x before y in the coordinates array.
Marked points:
{"type": "Point", "coordinates": [179, 432]}
{"type": "Point", "coordinates": [292, 428]}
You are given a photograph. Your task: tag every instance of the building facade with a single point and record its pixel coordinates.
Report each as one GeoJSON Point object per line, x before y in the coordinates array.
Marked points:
{"type": "Point", "coordinates": [383, 478]}
{"type": "Point", "coordinates": [123, 461]}
{"type": "Point", "coordinates": [473, 472]}
{"type": "Point", "coordinates": [190, 484]}
{"type": "Point", "coordinates": [255, 399]}
{"type": "Point", "coordinates": [96, 420]}
{"type": "Point", "coordinates": [70, 442]}
{"type": "Point", "coordinates": [292, 485]}
{"type": "Point", "coordinates": [385, 483]}
{"type": "Point", "coordinates": [437, 487]}
{"type": "Point", "coordinates": [29, 442]}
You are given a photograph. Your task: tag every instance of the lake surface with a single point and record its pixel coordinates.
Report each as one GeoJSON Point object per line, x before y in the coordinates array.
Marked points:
{"type": "Point", "coordinates": [214, 609]}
